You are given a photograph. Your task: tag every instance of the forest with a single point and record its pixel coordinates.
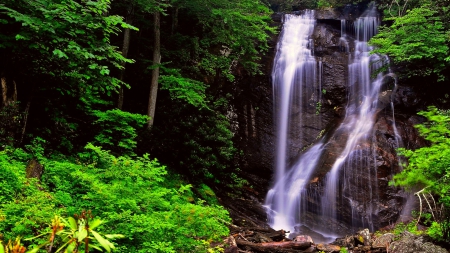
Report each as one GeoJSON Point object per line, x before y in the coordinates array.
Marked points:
{"type": "Point", "coordinates": [116, 130]}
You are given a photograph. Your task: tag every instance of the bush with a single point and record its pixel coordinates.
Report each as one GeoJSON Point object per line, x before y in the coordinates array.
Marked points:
{"type": "Point", "coordinates": [131, 194]}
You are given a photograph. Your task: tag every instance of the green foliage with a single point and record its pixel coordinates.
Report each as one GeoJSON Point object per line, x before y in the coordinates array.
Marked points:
{"type": "Point", "coordinates": [232, 33]}
{"type": "Point", "coordinates": [428, 167]}
{"type": "Point", "coordinates": [75, 234]}
{"type": "Point", "coordinates": [411, 227]}
{"type": "Point", "coordinates": [191, 91]}
{"type": "Point", "coordinates": [70, 35]}
{"type": "Point", "coordinates": [289, 5]}
{"type": "Point", "coordinates": [118, 130]}
{"type": "Point", "coordinates": [131, 194]}
{"type": "Point", "coordinates": [416, 40]}
{"type": "Point", "coordinates": [10, 183]}
{"type": "Point", "coordinates": [207, 194]}
{"type": "Point", "coordinates": [199, 144]}
{"type": "Point", "coordinates": [323, 4]}
{"type": "Point", "coordinates": [318, 107]}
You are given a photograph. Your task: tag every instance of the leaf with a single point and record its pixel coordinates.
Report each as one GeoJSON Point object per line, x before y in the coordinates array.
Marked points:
{"type": "Point", "coordinates": [60, 54]}
{"type": "Point", "coordinates": [112, 236]}
{"type": "Point", "coordinates": [72, 223]}
{"type": "Point", "coordinates": [30, 251]}
{"type": "Point", "coordinates": [95, 247]}
{"type": "Point", "coordinates": [105, 243]}
{"type": "Point", "coordinates": [70, 246]}
{"type": "Point", "coordinates": [82, 233]}
{"type": "Point", "coordinates": [95, 223]}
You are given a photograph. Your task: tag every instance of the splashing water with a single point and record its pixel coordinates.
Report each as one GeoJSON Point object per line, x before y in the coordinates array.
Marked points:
{"type": "Point", "coordinates": [295, 72]}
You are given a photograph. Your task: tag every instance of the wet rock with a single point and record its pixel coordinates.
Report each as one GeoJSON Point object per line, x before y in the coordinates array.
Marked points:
{"type": "Point", "coordinates": [363, 249]}
{"type": "Point", "coordinates": [303, 238]}
{"type": "Point", "coordinates": [364, 237]}
{"type": "Point", "coordinates": [252, 118]}
{"type": "Point", "coordinates": [347, 242]}
{"type": "Point", "coordinates": [428, 247]}
{"type": "Point", "coordinates": [347, 12]}
{"type": "Point", "coordinates": [328, 247]}
{"type": "Point", "coordinates": [383, 241]}
{"type": "Point", "coordinates": [406, 97]}
{"type": "Point", "coordinates": [409, 243]}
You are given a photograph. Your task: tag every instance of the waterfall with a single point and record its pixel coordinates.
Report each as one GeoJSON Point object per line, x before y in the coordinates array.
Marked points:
{"type": "Point", "coordinates": [359, 119]}
{"type": "Point", "coordinates": [297, 79]}
{"type": "Point", "coordinates": [294, 77]}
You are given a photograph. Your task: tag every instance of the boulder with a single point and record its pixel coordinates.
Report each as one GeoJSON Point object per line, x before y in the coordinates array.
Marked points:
{"type": "Point", "coordinates": [329, 248]}
{"type": "Point", "coordinates": [383, 241]}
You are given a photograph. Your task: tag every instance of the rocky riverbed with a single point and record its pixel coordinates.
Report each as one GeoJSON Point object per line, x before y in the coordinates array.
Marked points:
{"type": "Point", "coordinates": [265, 240]}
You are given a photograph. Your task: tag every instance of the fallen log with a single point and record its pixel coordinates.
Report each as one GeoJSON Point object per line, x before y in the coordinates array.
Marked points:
{"type": "Point", "coordinates": [274, 235]}
{"type": "Point", "coordinates": [273, 247]}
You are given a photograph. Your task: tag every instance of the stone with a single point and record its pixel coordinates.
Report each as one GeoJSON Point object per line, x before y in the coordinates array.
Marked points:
{"type": "Point", "coordinates": [363, 237]}
{"type": "Point", "coordinates": [34, 169]}
{"type": "Point", "coordinates": [303, 238]}
{"type": "Point", "coordinates": [329, 248]}
{"type": "Point", "coordinates": [431, 248]}
{"type": "Point", "coordinates": [383, 241]}
{"type": "Point", "coordinates": [409, 243]}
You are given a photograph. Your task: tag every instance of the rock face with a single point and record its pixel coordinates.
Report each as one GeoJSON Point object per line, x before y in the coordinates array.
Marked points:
{"type": "Point", "coordinates": [374, 203]}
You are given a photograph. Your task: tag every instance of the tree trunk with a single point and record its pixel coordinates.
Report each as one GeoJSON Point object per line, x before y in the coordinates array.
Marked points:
{"type": "Point", "coordinates": [273, 247]}
{"type": "Point", "coordinates": [155, 71]}
{"type": "Point", "coordinates": [25, 120]}
{"type": "Point", "coordinates": [125, 47]}
{"type": "Point", "coordinates": [9, 91]}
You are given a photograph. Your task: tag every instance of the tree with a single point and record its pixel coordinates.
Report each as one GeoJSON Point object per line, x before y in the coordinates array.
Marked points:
{"type": "Point", "coordinates": [417, 41]}
{"type": "Point", "coordinates": [428, 168]}
{"type": "Point", "coordinates": [59, 51]}
{"type": "Point", "coordinates": [155, 70]}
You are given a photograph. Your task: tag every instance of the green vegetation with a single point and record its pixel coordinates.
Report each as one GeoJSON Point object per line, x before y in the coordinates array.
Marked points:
{"type": "Point", "coordinates": [72, 77]}
{"type": "Point", "coordinates": [427, 171]}
{"type": "Point", "coordinates": [416, 38]}
{"type": "Point", "coordinates": [133, 196]}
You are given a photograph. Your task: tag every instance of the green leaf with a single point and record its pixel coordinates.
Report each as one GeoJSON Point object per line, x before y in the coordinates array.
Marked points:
{"type": "Point", "coordinates": [60, 54]}
{"type": "Point", "coordinates": [112, 236]}
{"type": "Point", "coordinates": [95, 223]}
{"type": "Point", "coordinates": [103, 242]}
{"type": "Point", "coordinates": [72, 223]}
{"type": "Point", "coordinates": [82, 233]}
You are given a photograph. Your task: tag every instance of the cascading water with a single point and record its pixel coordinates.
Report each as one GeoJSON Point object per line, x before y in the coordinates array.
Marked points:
{"type": "Point", "coordinates": [294, 75]}
{"type": "Point", "coordinates": [295, 79]}
{"type": "Point", "coordinates": [359, 119]}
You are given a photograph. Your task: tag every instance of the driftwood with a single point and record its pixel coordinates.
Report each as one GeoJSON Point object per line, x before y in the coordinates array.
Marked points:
{"type": "Point", "coordinates": [273, 247]}
{"type": "Point", "coordinates": [261, 235]}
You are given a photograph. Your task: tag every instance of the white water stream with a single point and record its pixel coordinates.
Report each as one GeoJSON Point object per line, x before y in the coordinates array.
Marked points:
{"type": "Point", "coordinates": [295, 71]}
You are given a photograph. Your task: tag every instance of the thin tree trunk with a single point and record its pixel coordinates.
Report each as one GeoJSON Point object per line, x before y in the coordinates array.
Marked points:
{"type": "Point", "coordinates": [125, 47]}
{"type": "Point", "coordinates": [25, 119]}
{"type": "Point", "coordinates": [155, 71]}
{"type": "Point", "coordinates": [4, 91]}
{"type": "Point", "coordinates": [9, 91]}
